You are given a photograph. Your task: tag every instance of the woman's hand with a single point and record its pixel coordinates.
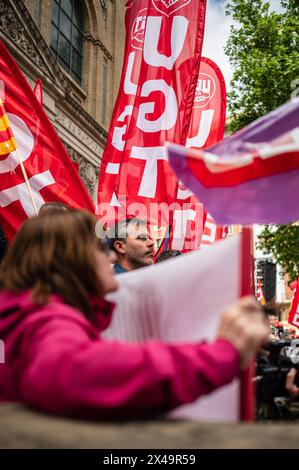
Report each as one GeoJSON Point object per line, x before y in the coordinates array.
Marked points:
{"type": "Point", "coordinates": [244, 325]}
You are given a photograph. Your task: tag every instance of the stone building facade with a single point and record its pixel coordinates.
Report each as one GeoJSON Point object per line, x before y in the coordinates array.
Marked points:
{"type": "Point", "coordinates": [76, 48]}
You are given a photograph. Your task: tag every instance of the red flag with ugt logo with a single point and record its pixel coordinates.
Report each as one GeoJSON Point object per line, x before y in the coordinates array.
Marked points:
{"type": "Point", "coordinates": [206, 128]}
{"type": "Point", "coordinates": [160, 70]}
{"type": "Point", "coordinates": [51, 174]}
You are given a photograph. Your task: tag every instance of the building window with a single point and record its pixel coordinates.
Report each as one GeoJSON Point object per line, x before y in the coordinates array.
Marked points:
{"type": "Point", "coordinates": [67, 36]}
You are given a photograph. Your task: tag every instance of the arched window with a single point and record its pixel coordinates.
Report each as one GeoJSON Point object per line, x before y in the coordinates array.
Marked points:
{"type": "Point", "coordinates": [67, 36]}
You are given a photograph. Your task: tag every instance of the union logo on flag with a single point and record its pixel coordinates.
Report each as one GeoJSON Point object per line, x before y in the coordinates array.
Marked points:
{"type": "Point", "coordinates": [168, 7]}
{"type": "Point", "coordinates": [205, 90]}
{"type": "Point", "coordinates": [138, 29]}
{"type": "Point", "coordinates": [7, 140]}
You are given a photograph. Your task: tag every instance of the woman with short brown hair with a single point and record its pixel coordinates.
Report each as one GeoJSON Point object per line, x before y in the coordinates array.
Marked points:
{"type": "Point", "coordinates": [52, 308]}
{"type": "Point", "coordinates": [54, 253]}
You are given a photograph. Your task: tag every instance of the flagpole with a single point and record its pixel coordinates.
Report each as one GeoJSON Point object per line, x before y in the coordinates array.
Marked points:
{"type": "Point", "coordinates": [26, 181]}
{"type": "Point", "coordinates": [247, 401]}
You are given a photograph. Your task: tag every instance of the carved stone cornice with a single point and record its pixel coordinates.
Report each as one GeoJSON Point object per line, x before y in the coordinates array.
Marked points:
{"type": "Point", "coordinates": [35, 47]}
{"type": "Point", "coordinates": [82, 114]}
{"type": "Point", "coordinates": [87, 171]}
{"type": "Point", "coordinates": [10, 25]}
{"type": "Point", "coordinates": [77, 132]}
{"type": "Point", "coordinates": [76, 126]}
{"type": "Point", "coordinates": [88, 37]}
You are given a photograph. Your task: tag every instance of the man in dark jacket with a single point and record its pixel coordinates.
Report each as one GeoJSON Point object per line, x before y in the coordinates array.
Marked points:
{"type": "Point", "coordinates": [133, 245]}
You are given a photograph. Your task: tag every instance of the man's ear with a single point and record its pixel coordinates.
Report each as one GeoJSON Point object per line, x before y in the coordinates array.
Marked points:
{"type": "Point", "coordinates": [120, 247]}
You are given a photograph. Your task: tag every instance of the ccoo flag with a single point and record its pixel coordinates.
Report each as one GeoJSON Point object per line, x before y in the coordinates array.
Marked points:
{"type": "Point", "coordinates": [51, 174]}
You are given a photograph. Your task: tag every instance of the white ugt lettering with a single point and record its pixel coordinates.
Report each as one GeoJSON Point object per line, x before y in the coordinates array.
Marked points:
{"type": "Point", "coordinates": [130, 88]}
{"type": "Point", "coordinates": [167, 119]}
{"type": "Point", "coordinates": [151, 155]}
{"type": "Point", "coordinates": [181, 219]}
{"type": "Point", "coordinates": [20, 192]}
{"type": "Point", "coordinates": [204, 130]}
{"type": "Point", "coordinates": [151, 40]}
{"type": "Point", "coordinates": [118, 132]}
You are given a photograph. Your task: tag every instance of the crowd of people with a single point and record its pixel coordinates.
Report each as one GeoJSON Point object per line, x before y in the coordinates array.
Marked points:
{"type": "Point", "coordinates": [54, 279]}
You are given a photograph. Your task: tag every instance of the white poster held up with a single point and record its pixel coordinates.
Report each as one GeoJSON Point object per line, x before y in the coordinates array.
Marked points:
{"type": "Point", "coordinates": [181, 300]}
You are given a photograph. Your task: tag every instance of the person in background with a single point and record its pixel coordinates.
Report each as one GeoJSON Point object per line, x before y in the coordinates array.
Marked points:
{"type": "Point", "coordinates": [272, 311]}
{"type": "Point", "coordinates": [132, 244]}
{"type": "Point", "coordinates": [52, 307]}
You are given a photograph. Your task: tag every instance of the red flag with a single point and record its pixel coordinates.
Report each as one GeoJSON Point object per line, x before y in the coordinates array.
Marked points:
{"type": "Point", "coordinates": [209, 107]}
{"type": "Point", "coordinates": [294, 311]}
{"type": "Point", "coordinates": [211, 98]}
{"type": "Point", "coordinates": [293, 285]}
{"type": "Point", "coordinates": [206, 128]}
{"type": "Point", "coordinates": [161, 62]}
{"type": "Point", "coordinates": [188, 221]}
{"type": "Point", "coordinates": [259, 293]}
{"type": "Point", "coordinates": [51, 174]}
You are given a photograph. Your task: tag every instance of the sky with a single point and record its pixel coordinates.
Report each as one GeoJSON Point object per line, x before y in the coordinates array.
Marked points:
{"type": "Point", "coordinates": [217, 32]}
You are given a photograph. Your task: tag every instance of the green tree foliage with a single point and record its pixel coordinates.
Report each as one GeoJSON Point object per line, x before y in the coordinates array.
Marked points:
{"type": "Point", "coordinates": [263, 49]}
{"type": "Point", "coordinates": [282, 242]}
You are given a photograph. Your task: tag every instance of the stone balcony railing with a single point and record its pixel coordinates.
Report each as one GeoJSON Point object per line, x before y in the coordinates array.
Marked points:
{"type": "Point", "coordinates": [23, 428]}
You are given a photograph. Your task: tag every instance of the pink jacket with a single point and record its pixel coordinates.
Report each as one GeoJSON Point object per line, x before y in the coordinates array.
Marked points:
{"type": "Point", "coordinates": [55, 361]}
